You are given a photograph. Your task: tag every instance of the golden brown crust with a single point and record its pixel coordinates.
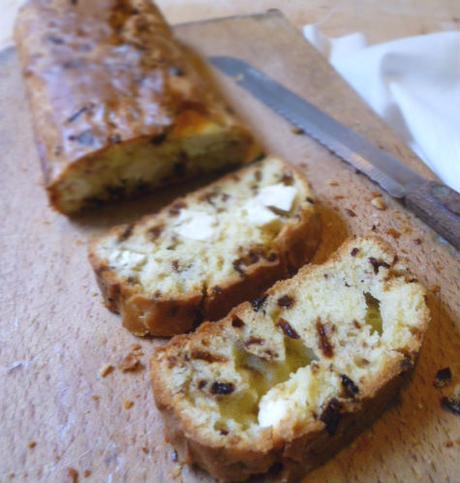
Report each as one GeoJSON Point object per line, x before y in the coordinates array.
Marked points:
{"type": "Point", "coordinates": [143, 314]}
{"type": "Point", "coordinates": [289, 462]}
{"type": "Point", "coordinates": [109, 75]}
{"type": "Point", "coordinates": [311, 445]}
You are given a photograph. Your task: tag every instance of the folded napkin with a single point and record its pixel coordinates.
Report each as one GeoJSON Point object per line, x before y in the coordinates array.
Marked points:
{"type": "Point", "coordinates": [412, 83]}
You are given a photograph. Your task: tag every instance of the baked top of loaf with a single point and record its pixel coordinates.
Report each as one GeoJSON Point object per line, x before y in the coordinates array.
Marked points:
{"type": "Point", "coordinates": [287, 366]}
{"type": "Point", "coordinates": [207, 243]}
{"type": "Point", "coordinates": [109, 74]}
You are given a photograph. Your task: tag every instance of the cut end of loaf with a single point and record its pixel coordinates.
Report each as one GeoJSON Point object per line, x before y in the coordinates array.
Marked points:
{"type": "Point", "coordinates": [290, 368]}
{"type": "Point", "coordinates": [123, 171]}
{"type": "Point", "coordinates": [207, 252]}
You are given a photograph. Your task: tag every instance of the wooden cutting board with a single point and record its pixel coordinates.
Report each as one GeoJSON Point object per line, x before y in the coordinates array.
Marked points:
{"type": "Point", "coordinates": [59, 416]}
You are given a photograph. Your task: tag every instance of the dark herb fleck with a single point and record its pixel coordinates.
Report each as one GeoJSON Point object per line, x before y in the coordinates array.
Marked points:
{"type": "Point", "coordinates": [207, 356]}
{"type": "Point", "coordinates": [237, 322]}
{"type": "Point", "coordinates": [443, 378]}
{"type": "Point", "coordinates": [201, 384]}
{"type": "Point", "coordinates": [86, 137]}
{"type": "Point", "coordinates": [55, 39]}
{"type": "Point", "coordinates": [176, 208]}
{"type": "Point", "coordinates": [176, 71]}
{"type": "Point", "coordinates": [179, 168]}
{"type": "Point", "coordinates": [158, 139]}
{"type": "Point", "coordinates": [287, 179]}
{"type": "Point", "coordinates": [254, 341]}
{"type": "Point", "coordinates": [237, 266]}
{"type": "Point", "coordinates": [324, 342]}
{"type": "Point", "coordinates": [258, 303]}
{"type": "Point", "coordinates": [272, 257]}
{"type": "Point", "coordinates": [115, 139]}
{"type": "Point", "coordinates": [216, 290]}
{"type": "Point", "coordinates": [288, 330]}
{"type": "Point", "coordinates": [377, 264]}
{"type": "Point", "coordinates": [350, 388]}
{"type": "Point", "coordinates": [73, 64]}
{"type": "Point", "coordinates": [285, 301]}
{"type": "Point", "coordinates": [331, 416]}
{"type": "Point", "coordinates": [223, 388]}
{"type": "Point", "coordinates": [78, 113]}
{"type": "Point", "coordinates": [126, 233]}
{"type": "Point", "coordinates": [310, 200]}
{"type": "Point", "coordinates": [350, 212]}
{"type": "Point", "coordinates": [354, 252]}
{"type": "Point", "coordinates": [406, 364]}
{"type": "Point", "coordinates": [155, 232]}
{"type": "Point", "coordinates": [451, 404]}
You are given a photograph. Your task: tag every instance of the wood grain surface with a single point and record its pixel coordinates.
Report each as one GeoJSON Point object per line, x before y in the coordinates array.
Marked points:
{"type": "Point", "coordinates": [60, 417]}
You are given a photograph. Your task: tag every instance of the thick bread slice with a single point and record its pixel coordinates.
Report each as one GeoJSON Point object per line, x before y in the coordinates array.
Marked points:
{"type": "Point", "coordinates": [288, 379]}
{"type": "Point", "coordinates": [119, 107]}
{"type": "Point", "coordinates": [205, 253]}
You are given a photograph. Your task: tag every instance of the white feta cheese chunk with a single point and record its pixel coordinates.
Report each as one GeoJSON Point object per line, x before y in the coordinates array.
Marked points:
{"type": "Point", "coordinates": [272, 411]}
{"type": "Point", "coordinates": [195, 225]}
{"type": "Point", "coordinates": [258, 215]}
{"type": "Point", "coordinates": [127, 259]}
{"type": "Point", "coordinates": [278, 195]}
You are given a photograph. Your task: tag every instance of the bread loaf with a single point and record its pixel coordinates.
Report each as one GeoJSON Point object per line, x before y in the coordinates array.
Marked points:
{"type": "Point", "coordinates": [205, 253]}
{"type": "Point", "coordinates": [287, 380]}
{"type": "Point", "coordinates": [118, 107]}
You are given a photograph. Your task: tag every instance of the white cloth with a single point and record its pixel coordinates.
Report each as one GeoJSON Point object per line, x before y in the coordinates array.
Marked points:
{"type": "Point", "coordinates": [412, 83]}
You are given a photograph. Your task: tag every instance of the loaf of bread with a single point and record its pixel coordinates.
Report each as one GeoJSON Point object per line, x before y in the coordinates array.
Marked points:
{"type": "Point", "coordinates": [287, 380]}
{"type": "Point", "coordinates": [119, 108]}
{"type": "Point", "coordinates": [205, 253]}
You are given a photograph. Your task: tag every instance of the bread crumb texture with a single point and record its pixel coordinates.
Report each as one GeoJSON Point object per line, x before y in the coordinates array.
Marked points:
{"type": "Point", "coordinates": [295, 361]}
{"type": "Point", "coordinates": [199, 246]}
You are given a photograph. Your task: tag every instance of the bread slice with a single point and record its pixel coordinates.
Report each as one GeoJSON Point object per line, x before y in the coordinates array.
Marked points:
{"type": "Point", "coordinates": [205, 253]}
{"type": "Point", "coordinates": [289, 378]}
{"type": "Point", "coordinates": [119, 107]}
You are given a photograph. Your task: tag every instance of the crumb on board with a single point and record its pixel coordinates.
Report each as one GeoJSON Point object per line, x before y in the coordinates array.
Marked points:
{"type": "Point", "coordinates": [72, 475]}
{"type": "Point", "coordinates": [297, 130]}
{"type": "Point", "coordinates": [87, 473]}
{"type": "Point", "coordinates": [145, 449]}
{"type": "Point", "coordinates": [32, 444]}
{"type": "Point", "coordinates": [394, 233]}
{"type": "Point", "coordinates": [131, 362]}
{"type": "Point", "coordinates": [449, 443]}
{"type": "Point", "coordinates": [379, 203]}
{"type": "Point", "coordinates": [128, 404]}
{"type": "Point", "coordinates": [105, 370]}
{"type": "Point", "coordinates": [95, 397]}
{"type": "Point", "coordinates": [418, 241]}
{"type": "Point", "coordinates": [333, 183]}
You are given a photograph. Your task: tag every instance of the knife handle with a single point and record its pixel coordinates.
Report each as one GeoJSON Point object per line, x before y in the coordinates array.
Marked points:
{"type": "Point", "coordinates": [439, 207]}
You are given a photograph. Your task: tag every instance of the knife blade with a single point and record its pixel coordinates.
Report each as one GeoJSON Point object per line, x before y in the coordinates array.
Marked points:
{"type": "Point", "coordinates": [436, 204]}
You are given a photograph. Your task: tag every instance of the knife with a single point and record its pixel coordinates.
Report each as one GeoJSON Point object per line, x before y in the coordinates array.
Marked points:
{"type": "Point", "coordinates": [435, 203]}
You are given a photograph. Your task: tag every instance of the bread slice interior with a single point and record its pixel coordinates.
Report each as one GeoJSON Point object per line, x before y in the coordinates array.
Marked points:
{"type": "Point", "coordinates": [289, 366]}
